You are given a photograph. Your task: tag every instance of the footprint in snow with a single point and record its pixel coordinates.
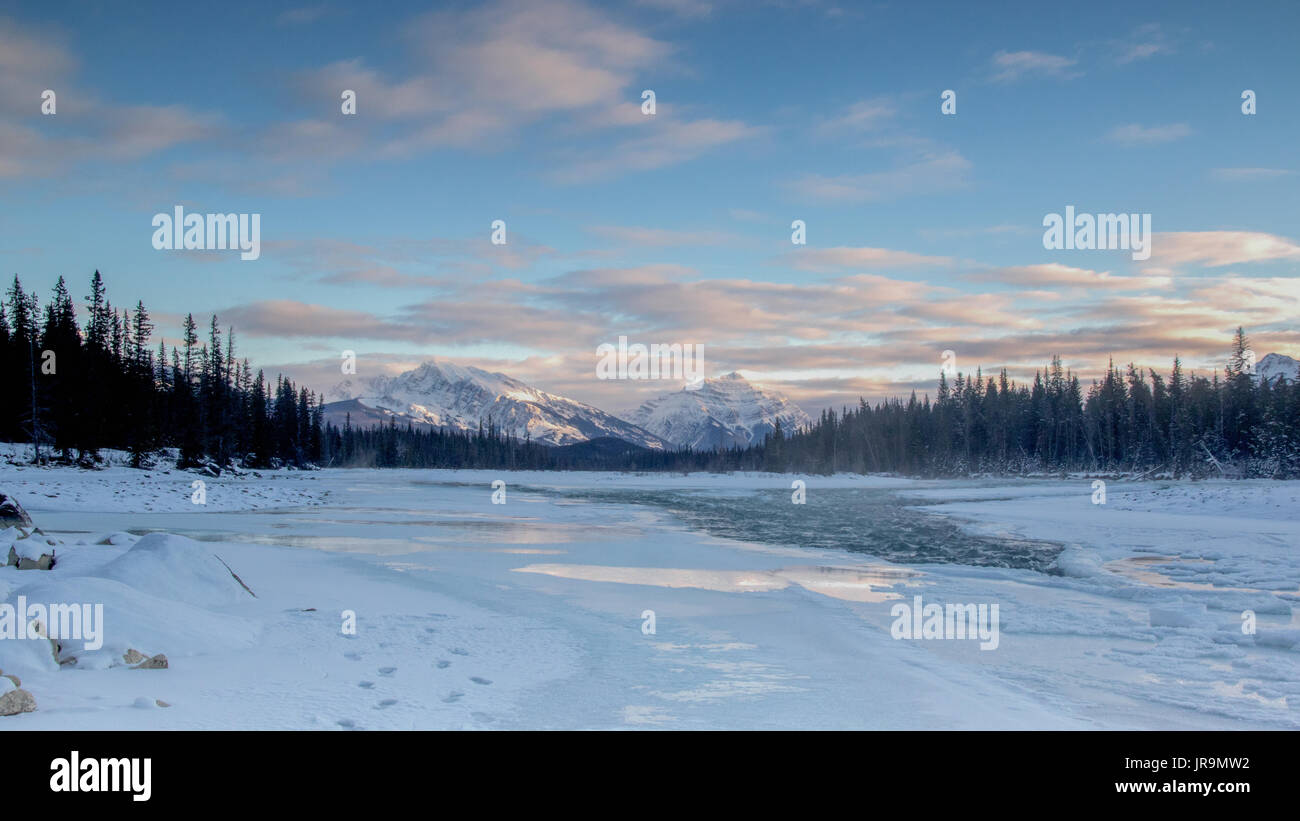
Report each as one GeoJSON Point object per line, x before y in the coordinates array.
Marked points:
{"type": "Point", "coordinates": [346, 723]}
{"type": "Point", "coordinates": [386, 703]}
{"type": "Point", "coordinates": [387, 671]}
{"type": "Point", "coordinates": [365, 685]}
{"type": "Point", "coordinates": [443, 664]}
{"type": "Point", "coordinates": [350, 656]}
{"type": "Point", "coordinates": [453, 697]}
{"type": "Point", "coordinates": [480, 680]}
{"type": "Point", "coordinates": [459, 651]}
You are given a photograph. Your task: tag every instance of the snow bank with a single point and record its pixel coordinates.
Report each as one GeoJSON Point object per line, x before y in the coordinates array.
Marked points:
{"type": "Point", "coordinates": [136, 620]}
{"type": "Point", "coordinates": [24, 657]}
{"type": "Point", "coordinates": [163, 595]}
{"type": "Point", "coordinates": [175, 567]}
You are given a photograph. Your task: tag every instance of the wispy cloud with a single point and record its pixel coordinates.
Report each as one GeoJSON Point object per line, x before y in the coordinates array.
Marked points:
{"type": "Point", "coordinates": [664, 143]}
{"type": "Point", "coordinates": [864, 115]}
{"type": "Point", "coordinates": [1010, 66]}
{"type": "Point", "coordinates": [293, 319]}
{"type": "Point", "coordinates": [1145, 42]}
{"type": "Point", "coordinates": [931, 174]}
{"type": "Point", "coordinates": [302, 15]}
{"type": "Point", "coordinates": [1054, 274]}
{"type": "Point", "coordinates": [485, 72]}
{"type": "Point", "coordinates": [681, 8]}
{"type": "Point", "coordinates": [1171, 250]}
{"type": "Point", "coordinates": [404, 263]}
{"type": "Point", "coordinates": [482, 75]}
{"type": "Point", "coordinates": [660, 237]}
{"type": "Point", "coordinates": [827, 259]}
{"type": "Point", "coordinates": [965, 233]}
{"type": "Point", "coordinates": [90, 129]}
{"type": "Point", "coordinates": [1136, 134]}
{"type": "Point", "coordinates": [1249, 174]}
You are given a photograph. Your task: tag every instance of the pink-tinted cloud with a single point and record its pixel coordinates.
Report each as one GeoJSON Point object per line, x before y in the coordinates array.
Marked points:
{"type": "Point", "coordinates": [859, 258]}
{"type": "Point", "coordinates": [1172, 250]}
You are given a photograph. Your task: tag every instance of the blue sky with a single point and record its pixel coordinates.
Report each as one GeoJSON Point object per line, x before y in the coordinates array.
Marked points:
{"type": "Point", "coordinates": [924, 231]}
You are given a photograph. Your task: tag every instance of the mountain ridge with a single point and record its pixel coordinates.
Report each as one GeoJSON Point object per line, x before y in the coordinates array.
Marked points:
{"type": "Point", "coordinates": [722, 412]}
{"type": "Point", "coordinates": [442, 394]}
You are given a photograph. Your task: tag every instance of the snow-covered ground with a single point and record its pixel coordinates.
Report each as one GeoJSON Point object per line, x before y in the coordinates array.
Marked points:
{"type": "Point", "coordinates": [120, 488]}
{"type": "Point", "coordinates": [533, 613]}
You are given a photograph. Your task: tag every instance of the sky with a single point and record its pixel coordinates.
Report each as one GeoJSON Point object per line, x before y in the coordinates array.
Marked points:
{"type": "Point", "coordinates": [924, 230]}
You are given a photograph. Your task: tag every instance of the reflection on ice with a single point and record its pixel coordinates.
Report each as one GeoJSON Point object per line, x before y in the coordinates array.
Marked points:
{"type": "Point", "coordinates": [366, 538]}
{"type": "Point", "coordinates": [851, 583]}
{"type": "Point", "coordinates": [858, 583]}
{"type": "Point", "coordinates": [1143, 569]}
{"type": "Point", "coordinates": [1140, 568]}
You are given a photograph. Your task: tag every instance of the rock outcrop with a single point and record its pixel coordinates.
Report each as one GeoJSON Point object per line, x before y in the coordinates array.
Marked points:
{"type": "Point", "coordinates": [139, 661]}
{"type": "Point", "coordinates": [17, 701]}
{"type": "Point", "coordinates": [13, 698]}
{"type": "Point", "coordinates": [12, 513]}
{"type": "Point", "coordinates": [39, 561]}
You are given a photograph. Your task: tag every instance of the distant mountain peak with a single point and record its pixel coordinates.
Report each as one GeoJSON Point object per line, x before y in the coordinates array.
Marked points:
{"type": "Point", "coordinates": [1275, 365]}
{"type": "Point", "coordinates": [725, 411]}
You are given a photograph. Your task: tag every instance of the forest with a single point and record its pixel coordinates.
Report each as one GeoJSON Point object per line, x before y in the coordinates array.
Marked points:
{"type": "Point", "coordinates": [73, 391]}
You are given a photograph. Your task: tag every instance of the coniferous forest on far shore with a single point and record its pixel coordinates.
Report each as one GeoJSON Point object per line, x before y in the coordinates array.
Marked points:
{"type": "Point", "coordinates": [74, 386]}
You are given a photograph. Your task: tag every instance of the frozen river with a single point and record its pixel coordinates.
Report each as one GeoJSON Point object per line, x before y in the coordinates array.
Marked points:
{"type": "Point", "coordinates": [614, 600]}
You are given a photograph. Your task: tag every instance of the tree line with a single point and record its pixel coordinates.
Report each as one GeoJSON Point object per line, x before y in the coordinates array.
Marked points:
{"type": "Point", "coordinates": [74, 389]}
{"type": "Point", "coordinates": [1132, 420]}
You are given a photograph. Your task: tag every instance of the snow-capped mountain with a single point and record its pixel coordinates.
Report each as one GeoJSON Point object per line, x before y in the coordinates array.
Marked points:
{"type": "Point", "coordinates": [1274, 365]}
{"type": "Point", "coordinates": [723, 412]}
{"type": "Point", "coordinates": [446, 395]}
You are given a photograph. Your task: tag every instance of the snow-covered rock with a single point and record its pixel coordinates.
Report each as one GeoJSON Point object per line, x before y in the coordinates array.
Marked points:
{"type": "Point", "coordinates": [445, 395]}
{"type": "Point", "coordinates": [29, 558]}
{"type": "Point", "coordinates": [724, 412]}
{"type": "Point", "coordinates": [12, 513]}
{"type": "Point", "coordinates": [27, 550]}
